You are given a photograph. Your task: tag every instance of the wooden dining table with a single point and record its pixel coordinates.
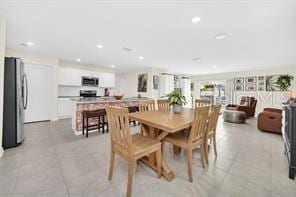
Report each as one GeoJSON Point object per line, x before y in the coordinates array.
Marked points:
{"type": "Point", "coordinates": [158, 124]}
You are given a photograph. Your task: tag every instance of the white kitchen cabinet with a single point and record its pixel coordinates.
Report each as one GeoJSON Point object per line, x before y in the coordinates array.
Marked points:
{"type": "Point", "coordinates": [166, 85]}
{"type": "Point", "coordinates": [69, 76]}
{"type": "Point", "coordinates": [106, 80]}
{"type": "Point", "coordinates": [65, 108]}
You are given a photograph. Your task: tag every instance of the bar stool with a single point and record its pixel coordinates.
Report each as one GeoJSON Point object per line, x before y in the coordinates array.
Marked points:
{"type": "Point", "coordinates": [99, 115]}
{"type": "Point", "coordinates": [132, 109]}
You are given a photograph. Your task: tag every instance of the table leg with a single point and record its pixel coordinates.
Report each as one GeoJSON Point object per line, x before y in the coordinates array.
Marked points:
{"type": "Point", "coordinates": [166, 172]}
{"type": "Point", "coordinates": [177, 150]}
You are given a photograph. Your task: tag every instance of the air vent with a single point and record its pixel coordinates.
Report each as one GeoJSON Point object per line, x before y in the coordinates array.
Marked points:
{"type": "Point", "coordinates": [127, 49]}
{"type": "Point", "coordinates": [196, 58]}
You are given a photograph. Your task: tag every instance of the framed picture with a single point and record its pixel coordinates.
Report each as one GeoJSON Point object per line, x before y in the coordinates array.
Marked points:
{"type": "Point", "coordinates": [270, 83]}
{"type": "Point", "coordinates": [238, 87]}
{"type": "Point", "coordinates": [251, 79]}
{"type": "Point", "coordinates": [251, 87]}
{"type": "Point", "coordinates": [155, 82]}
{"type": "Point", "coordinates": [261, 83]}
{"type": "Point", "coordinates": [142, 82]}
{"type": "Point", "coordinates": [192, 86]}
{"type": "Point", "coordinates": [239, 80]}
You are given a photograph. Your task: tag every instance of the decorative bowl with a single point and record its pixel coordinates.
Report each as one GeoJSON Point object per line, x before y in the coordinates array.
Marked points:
{"type": "Point", "coordinates": [118, 97]}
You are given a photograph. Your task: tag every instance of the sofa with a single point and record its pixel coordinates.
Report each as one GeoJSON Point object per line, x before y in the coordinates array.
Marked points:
{"type": "Point", "coordinates": [270, 120]}
{"type": "Point", "coordinates": [247, 105]}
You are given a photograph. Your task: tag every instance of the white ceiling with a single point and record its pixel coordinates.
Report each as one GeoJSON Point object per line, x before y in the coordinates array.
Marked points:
{"type": "Point", "coordinates": [261, 33]}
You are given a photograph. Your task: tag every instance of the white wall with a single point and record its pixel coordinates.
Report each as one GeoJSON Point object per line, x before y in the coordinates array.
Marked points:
{"type": "Point", "coordinates": [42, 59]}
{"type": "Point", "coordinates": [127, 83]}
{"type": "Point", "coordinates": [2, 55]}
{"type": "Point", "coordinates": [265, 98]}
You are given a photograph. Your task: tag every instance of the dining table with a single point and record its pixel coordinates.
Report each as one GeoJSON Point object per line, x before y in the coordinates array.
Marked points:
{"type": "Point", "coordinates": [159, 124]}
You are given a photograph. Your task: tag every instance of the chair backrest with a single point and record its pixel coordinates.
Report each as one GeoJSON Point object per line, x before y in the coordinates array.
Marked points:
{"type": "Point", "coordinates": [199, 124]}
{"type": "Point", "coordinates": [118, 121]}
{"type": "Point", "coordinates": [247, 100]}
{"type": "Point", "coordinates": [147, 105]}
{"type": "Point", "coordinates": [202, 102]}
{"type": "Point", "coordinates": [213, 118]}
{"type": "Point", "coordinates": [163, 104]}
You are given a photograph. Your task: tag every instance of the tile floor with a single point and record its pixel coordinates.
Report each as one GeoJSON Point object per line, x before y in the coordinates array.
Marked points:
{"type": "Point", "coordinates": [53, 162]}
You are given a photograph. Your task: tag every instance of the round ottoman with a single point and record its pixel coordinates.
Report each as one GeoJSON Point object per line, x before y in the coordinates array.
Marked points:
{"type": "Point", "coordinates": [234, 116]}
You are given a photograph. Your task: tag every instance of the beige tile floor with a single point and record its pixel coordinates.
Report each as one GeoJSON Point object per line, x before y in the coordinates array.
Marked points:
{"type": "Point", "coordinates": [53, 162]}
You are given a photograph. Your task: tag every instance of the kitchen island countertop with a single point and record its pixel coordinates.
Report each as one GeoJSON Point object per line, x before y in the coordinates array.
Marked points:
{"type": "Point", "coordinates": [111, 99]}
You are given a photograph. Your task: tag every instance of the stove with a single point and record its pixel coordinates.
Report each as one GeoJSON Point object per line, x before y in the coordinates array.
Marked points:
{"type": "Point", "coordinates": [88, 93]}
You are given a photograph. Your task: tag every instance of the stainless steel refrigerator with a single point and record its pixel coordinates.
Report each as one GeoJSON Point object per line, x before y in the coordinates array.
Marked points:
{"type": "Point", "coordinates": [15, 102]}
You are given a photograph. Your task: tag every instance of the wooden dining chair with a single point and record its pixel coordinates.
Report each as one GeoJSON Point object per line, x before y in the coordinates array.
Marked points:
{"type": "Point", "coordinates": [202, 102]}
{"type": "Point", "coordinates": [211, 129]}
{"type": "Point", "coordinates": [193, 139]}
{"type": "Point", "coordinates": [129, 147]}
{"type": "Point", "coordinates": [147, 105]}
{"type": "Point", "coordinates": [163, 104]}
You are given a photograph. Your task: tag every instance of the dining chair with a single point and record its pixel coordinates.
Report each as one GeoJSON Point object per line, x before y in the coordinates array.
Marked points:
{"type": "Point", "coordinates": [202, 102]}
{"type": "Point", "coordinates": [193, 139]}
{"type": "Point", "coordinates": [211, 129]}
{"type": "Point", "coordinates": [163, 104]}
{"type": "Point", "coordinates": [129, 147]}
{"type": "Point", "coordinates": [147, 105]}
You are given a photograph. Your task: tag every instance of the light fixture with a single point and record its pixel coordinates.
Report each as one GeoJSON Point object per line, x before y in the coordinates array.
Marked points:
{"type": "Point", "coordinates": [220, 36]}
{"type": "Point", "coordinates": [141, 57]}
{"type": "Point", "coordinates": [100, 46]}
{"type": "Point", "coordinates": [27, 44]}
{"type": "Point", "coordinates": [214, 66]}
{"type": "Point", "coordinates": [30, 43]}
{"type": "Point", "coordinates": [77, 60]}
{"type": "Point", "coordinates": [112, 66]}
{"type": "Point", "coordinates": [195, 19]}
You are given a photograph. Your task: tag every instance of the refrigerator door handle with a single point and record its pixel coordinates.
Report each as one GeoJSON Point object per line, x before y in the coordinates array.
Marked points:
{"type": "Point", "coordinates": [26, 82]}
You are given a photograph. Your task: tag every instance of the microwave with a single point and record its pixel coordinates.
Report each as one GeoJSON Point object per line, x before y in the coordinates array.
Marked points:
{"type": "Point", "coordinates": [90, 81]}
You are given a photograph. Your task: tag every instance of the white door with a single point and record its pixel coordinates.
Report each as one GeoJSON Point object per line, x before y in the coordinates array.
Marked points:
{"type": "Point", "coordinates": [39, 92]}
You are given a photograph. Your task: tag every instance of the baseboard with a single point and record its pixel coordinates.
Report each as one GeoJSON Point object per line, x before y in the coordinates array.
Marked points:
{"type": "Point", "coordinates": [1, 151]}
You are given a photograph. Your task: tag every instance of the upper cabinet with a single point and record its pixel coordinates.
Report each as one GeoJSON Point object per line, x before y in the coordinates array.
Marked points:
{"type": "Point", "coordinates": [69, 77]}
{"type": "Point", "coordinates": [72, 77]}
{"type": "Point", "coordinates": [106, 80]}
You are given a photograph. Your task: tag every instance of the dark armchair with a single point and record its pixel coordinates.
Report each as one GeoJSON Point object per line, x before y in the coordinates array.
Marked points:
{"type": "Point", "coordinates": [247, 105]}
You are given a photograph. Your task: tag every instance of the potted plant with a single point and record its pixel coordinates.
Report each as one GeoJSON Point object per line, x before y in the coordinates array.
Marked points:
{"type": "Point", "coordinates": [284, 82]}
{"type": "Point", "coordinates": [177, 100]}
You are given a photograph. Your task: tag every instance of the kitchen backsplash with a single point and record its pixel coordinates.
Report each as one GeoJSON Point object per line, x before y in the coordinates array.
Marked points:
{"type": "Point", "coordinates": [74, 91]}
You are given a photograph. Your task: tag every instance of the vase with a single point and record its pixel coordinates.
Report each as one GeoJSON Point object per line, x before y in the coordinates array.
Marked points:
{"type": "Point", "coordinates": [177, 108]}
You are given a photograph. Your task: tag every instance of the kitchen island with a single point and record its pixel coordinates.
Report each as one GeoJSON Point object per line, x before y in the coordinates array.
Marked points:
{"type": "Point", "coordinates": [82, 104]}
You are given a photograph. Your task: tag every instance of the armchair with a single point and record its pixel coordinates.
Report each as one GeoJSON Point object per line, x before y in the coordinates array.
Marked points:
{"type": "Point", "coordinates": [247, 105]}
{"type": "Point", "coordinates": [270, 120]}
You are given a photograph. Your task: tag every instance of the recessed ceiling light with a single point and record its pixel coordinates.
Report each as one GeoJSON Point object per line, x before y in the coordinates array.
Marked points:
{"type": "Point", "coordinates": [214, 66]}
{"type": "Point", "coordinates": [141, 57]}
{"type": "Point", "coordinates": [196, 58]}
{"type": "Point", "coordinates": [26, 44]}
{"type": "Point", "coordinates": [112, 66]}
{"type": "Point", "coordinates": [77, 60]}
{"type": "Point", "coordinates": [30, 43]}
{"type": "Point", "coordinates": [100, 46]}
{"type": "Point", "coordinates": [195, 19]}
{"type": "Point", "coordinates": [127, 49]}
{"type": "Point", "coordinates": [220, 36]}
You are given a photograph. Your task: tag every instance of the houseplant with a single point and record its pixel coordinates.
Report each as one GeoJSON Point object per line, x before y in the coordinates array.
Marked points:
{"type": "Point", "coordinates": [284, 82]}
{"type": "Point", "coordinates": [177, 100]}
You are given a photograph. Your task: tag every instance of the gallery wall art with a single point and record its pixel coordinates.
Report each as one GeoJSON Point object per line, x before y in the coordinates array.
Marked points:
{"type": "Point", "coordinates": [271, 83]}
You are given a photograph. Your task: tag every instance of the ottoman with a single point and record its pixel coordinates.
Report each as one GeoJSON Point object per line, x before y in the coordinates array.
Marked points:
{"type": "Point", "coordinates": [234, 116]}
